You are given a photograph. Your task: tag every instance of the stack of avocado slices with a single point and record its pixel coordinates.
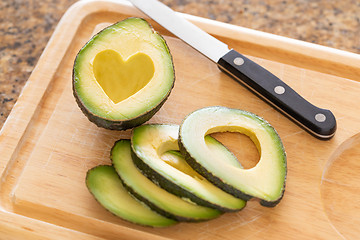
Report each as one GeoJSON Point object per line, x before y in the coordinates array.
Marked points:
{"type": "Point", "coordinates": [166, 173]}
{"type": "Point", "coordinates": [182, 174]}
{"type": "Point", "coordinates": [169, 189]}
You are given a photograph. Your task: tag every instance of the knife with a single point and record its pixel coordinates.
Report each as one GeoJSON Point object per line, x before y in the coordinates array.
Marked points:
{"type": "Point", "coordinates": [321, 123]}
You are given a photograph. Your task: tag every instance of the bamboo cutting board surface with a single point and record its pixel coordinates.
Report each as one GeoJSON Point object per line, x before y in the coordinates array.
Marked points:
{"type": "Point", "coordinates": [47, 144]}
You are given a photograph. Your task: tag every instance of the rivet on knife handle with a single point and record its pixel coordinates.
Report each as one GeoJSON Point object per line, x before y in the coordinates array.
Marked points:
{"type": "Point", "coordinates": [320, 122]}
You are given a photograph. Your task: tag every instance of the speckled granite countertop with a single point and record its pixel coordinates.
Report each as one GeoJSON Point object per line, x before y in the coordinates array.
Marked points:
{"type": "Point", "coordinates": [26, 26]}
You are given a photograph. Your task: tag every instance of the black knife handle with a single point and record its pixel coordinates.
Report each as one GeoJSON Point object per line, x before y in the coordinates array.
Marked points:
{"type": "Point", "coordinates": [319, 122]}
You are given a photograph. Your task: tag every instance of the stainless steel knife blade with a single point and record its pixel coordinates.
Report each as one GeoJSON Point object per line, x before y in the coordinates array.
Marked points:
{"type": "Point", "coordinates": [317, 121]}
{"type": "Point", "coordinates": [183, 29]}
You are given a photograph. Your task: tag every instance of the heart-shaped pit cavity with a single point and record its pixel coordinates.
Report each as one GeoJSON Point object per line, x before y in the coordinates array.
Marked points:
{"type": "Point", "coordinates": [120, 79]}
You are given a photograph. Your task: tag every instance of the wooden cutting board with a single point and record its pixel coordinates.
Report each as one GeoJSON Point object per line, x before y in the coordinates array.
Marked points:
{"type": "Point", "coordinates": [47, 144]}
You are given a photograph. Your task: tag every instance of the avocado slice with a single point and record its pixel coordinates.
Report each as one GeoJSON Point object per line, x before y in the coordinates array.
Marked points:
{"type": "Point", "coordinates": [123, 75]}
{"type": "Point", "coordinates": [265, 181]}
{"type": "Point", "coordinates": [158, 199]}
{"type": "Point", "coordinates": [150, 142]}
{"type": "Point", "coordinates": [105, 185]}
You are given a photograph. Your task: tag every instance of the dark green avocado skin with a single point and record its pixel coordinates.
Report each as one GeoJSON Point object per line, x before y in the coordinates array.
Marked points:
{"type": "Point", "coordinates": [155, 207]}
{"type": "Point", "coordinates": [218, 182]}
{"type": "Point", "coordinates": [118, 125]}
{"type": "Point", "coordinates": [159, 210]}
{"type": "Point", "coordinates": [112, 169]}
{"type": "Point", "coordinates": [171, 187]}
{"type": "Point", "coordinates": [209, 176]}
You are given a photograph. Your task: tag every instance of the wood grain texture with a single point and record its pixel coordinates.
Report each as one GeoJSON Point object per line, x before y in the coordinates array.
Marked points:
{"type": "Point", "coordinates": [48, 145]}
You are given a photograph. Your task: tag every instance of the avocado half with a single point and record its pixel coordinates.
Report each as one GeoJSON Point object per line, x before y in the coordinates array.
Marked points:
{"type": "Point", "coordinates": [265, 181]}
{"type": "Point", "coordinates": [105, 185]}
{"type": "Point", "coordinates": [123, 75]}
{"type": "Point", "coordinates": [150, 152]}
{"type": "Point", "coordinates": [158, 199]}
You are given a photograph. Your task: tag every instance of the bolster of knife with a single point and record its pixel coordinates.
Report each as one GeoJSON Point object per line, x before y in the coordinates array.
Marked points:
{"type": "Point", "coordinates": [320, 122]}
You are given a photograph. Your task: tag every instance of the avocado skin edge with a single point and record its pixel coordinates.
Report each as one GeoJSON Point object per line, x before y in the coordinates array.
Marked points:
{"type": "Point", "coordinates": [124, 124]}
{"type": "Point", "coordinates": [171, 187]}
{"type": "Point", "coordinates": [150, 204]}
{"type": "Point", "coordinates": [159, 210]}
{"type": "Point", "coordinates": [87, 174]}
{"type": "Point", "coordinates": [120, 125]}
{"type": "Point", "coordinates": [220, 183]}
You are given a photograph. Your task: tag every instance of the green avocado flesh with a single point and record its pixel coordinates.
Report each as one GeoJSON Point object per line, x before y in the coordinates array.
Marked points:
{"type": "Point", "coordinates": [156, 198]}
{"type": "Point", "coordinates": [150, 150]}
{"type": "Point", "coordinates": [123, 75]}
{"type": "Point", "coordinates": [265, 181]}
{"type": "Point", "coordinates": [105, 185]}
